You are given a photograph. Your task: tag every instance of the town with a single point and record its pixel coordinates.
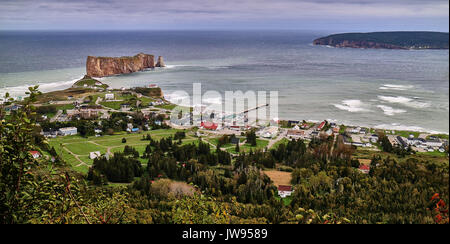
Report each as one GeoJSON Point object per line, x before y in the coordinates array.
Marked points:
{"type": "Point", "coordinates": [90, 109]}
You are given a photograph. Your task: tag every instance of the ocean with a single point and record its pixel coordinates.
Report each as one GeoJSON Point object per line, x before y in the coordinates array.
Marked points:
{"type": "Point", "coordinates": [392, 89]}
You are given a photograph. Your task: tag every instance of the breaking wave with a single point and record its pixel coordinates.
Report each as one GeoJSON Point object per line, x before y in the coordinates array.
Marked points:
{"type": "Point", "coordinates": [410, 102]}
{"type": "Point", "coordinates": [396, 87]}
{"type": "Point", "coordinates": [390, 110]}
{"type": "Point", "coordinates": [352, 106]}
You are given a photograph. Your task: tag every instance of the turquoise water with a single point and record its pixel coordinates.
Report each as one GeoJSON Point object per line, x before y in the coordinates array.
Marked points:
{"type": "Point", "coordinates": [395, 89]}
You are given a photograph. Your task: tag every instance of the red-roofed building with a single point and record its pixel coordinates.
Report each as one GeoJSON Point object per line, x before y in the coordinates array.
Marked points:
{"type": "Point", "coordinates": [35, 154]}
{"type": "Point", "coordinates": [320, 127]}
{"type": "Point", "coordinates": [209, 125]}
{"type": "Point", "coordinates": [284, 191]}
{"type": "Point", "coordinates": [365, 169]}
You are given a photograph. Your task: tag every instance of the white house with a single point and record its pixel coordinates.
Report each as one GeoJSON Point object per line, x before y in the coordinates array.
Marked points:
{"type": "Point", "coordinates": [68, 131]}
{"type": "Point", "coordinates": [296, 134]}
{"type": "Point", "coordinates": [35, 154]}
{"type": "Point", "coordinates": [434, 143]}
{"type": "Point", "coordinates": [284, 191]}
{"type": "Point", "coordinates": [93, 155]}
{"type": "Point", "coordinates": [109, 96]}
{"type": "Point", "coordinates": [269, 132]}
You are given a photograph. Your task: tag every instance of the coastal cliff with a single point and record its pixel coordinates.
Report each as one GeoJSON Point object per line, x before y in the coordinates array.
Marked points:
{"type": "Point", "coordinates": [388, 40]}
{"type": "Point", "coordinates": [106, 66]}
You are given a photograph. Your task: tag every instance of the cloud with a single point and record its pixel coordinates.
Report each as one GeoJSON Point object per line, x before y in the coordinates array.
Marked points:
{"type": "Point", "coordinates": [53, 14]}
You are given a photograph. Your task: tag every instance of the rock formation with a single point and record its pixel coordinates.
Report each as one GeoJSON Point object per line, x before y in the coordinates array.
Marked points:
{"type": "Point", "coordinates": [160, 62]}
{"type": "Point", "coordinates": [105, 66]}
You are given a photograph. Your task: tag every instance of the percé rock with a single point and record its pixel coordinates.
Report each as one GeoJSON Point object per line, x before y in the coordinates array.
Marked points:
{"type": "Point", "coordinates": [160, 62]}
{"type": "Point", "coordinates": [388, 40]}
{"type": "Point", "coordinates": [106, 66]}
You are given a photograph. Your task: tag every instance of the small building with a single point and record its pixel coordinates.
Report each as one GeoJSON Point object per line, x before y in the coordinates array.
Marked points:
{"type": "Point", "coordinates": [35, 154]}
{"type": "Point", "coordinates": [209, 125]}
{"type": "Point", "coordinates": [124, 107]}
{"type": "Point", "coordinates": [304, 126]}
{"type": "Point", "coordinates": [93, 155]}
{"type": "Point", "coordinates": [433, 142]}
{"type": "Point", "coordinates": [296, 134]}
{"type": "Point", "coordinates": [365, 169]}
{"type": "Point", "coordinates": [363, 131]}
{"type": "Point", "coordinates": [320, 127]}
{"type": "Point", "coordinates": [269, 132]}
{"type": "Point", "coordinates": [335, 130]}
{"type": "Point", "coordinates": [284, 191]}
{"type": "Point", "coordinates": [109, 96]}
{"type": "Point", "coordinates": [68, 131]}
{"type": "Point", "coordinates": [374, 138]}
{"type": "Point", "coordinates": [402, 142]}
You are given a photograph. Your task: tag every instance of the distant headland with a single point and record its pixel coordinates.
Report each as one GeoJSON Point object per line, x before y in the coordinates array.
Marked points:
{"type": "Point", "coordinates": [106, 66]}
{"type": "Point", "coordinates": [388, 40]}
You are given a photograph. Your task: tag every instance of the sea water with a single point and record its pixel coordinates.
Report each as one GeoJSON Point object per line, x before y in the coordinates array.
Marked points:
{"type": "Point", "coordinates": [394, 89]}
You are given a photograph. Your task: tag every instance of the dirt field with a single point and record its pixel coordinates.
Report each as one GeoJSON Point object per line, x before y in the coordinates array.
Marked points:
{"type": "Point", "coordinates": [364, 161]}
{"type": "Point", "coordinates": [279, 177]}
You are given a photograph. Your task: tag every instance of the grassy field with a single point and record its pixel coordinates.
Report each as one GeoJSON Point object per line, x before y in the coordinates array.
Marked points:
{"type": "Point", "coordinates": [75, 149]}
{"type": "Point", "coordinates": [260, 145]}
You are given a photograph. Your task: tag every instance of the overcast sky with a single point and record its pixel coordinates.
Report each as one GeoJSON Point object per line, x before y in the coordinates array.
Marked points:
{"type": "Point", "coordinates": [330, 15]}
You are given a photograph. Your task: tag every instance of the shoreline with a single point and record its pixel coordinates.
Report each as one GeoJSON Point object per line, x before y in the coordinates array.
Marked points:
{"type": "Point", "coordinates": [339, 122]}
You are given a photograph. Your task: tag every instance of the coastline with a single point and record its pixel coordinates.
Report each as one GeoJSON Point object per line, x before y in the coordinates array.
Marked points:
{"type": "Point", "coordinates": [392, 127]}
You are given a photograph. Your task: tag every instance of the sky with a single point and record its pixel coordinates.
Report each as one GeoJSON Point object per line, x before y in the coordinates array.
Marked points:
{"type": "Point", "coordinates": [329, 15]}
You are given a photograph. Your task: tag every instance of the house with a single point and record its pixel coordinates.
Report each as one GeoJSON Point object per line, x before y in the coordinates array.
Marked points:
{"type": "Point", "coordinates": [365, 169]}
{"type": "Point", "coordinates": [433, 142]}
{"type": "Point", "coordinates": [209, 125]}
{"type": "Point", "coordinates": [315, 134]}
{"type": "Point", "coordinates": [35, 154]}
{"type": "Point", "coordinates": [284, 191]}
{"type": "Point", "coordinates": [93, 155]}
{"type": "Point", "coordinates": [88, 113]}
{"type": "Point", "coordinates": [304, 126]}
{"type": "Point", "coordinates": [355, 130]}
{"type": "Point", "coordinates": [124, 107]}
{"type": "Point", "coordinates": [320, 127]}
{"type": "Point", "coordinates": [109, 96]}
{"type": "Point", "coordinates": [363, 131]}
{"type": "Point", "coordinates": [336, 130]}
{"type": "Point", "coordinates": [293, 122]}
{"type": "Point", "coordinates": [296, 127]}
{"type": "Point", "coordinates": [402, 142]}
{"type": "Point", "coordinates": [415, 141]}
{"type": "Point", "coordinates": [374, 138]}
{"type": "Point", "coordinates": [295, 134]}
{"type": "Point", "coordinates": [68, 131]}
{"type": "Point", "coordinates": [269, 132]}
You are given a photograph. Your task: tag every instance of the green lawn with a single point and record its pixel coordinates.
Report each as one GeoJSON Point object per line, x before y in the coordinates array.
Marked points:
{"type": "Point", "coordinates": [260, 145]}
{"type": "Point", "coordinates": [83, 146]}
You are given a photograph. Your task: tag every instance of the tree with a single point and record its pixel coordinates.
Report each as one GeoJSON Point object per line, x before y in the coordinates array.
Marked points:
{"type": "Point", "coordinates": [237, 149]}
